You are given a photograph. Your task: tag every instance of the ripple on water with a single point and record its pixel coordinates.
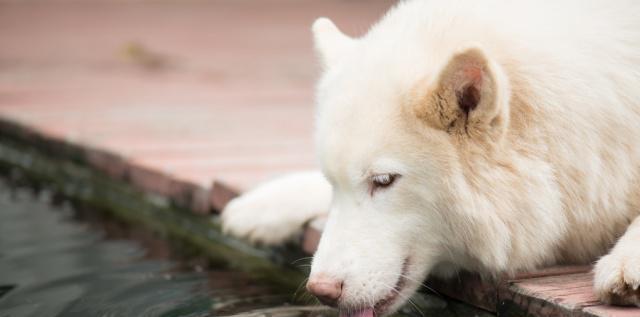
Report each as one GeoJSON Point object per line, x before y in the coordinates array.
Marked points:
{"type": "Point", "coordinates": [51, 265]}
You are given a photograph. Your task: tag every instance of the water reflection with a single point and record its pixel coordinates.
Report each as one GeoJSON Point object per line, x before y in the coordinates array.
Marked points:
{"type": "Point", "coordinates": [52, 265]}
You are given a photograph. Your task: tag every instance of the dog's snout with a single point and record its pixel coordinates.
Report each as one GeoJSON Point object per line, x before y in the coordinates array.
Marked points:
{"type": "Point", "coordinates": [326, 289]}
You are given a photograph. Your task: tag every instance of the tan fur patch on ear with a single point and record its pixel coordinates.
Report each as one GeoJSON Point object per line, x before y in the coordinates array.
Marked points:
{"type": "Point", "coordinates": [434, 107]}
{"type": "Point", "coordinates": [465, 97]}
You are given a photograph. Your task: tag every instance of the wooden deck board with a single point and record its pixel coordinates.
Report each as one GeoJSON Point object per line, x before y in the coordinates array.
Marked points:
{"type": "Point", "coordinates": [217, 116]}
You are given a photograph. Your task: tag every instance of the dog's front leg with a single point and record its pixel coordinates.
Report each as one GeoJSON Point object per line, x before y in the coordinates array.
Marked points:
{"type": "Point", "coordinates": [617, 275]}
{"type": "Point", "coordinates": [277, 210]}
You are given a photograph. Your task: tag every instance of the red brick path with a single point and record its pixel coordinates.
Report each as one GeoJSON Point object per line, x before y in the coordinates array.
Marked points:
{"type": "Point", "coordinates": [200, 90]}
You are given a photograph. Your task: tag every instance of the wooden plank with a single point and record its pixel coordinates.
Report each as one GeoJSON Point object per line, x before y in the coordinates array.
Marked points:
{"type": "Point", "coordinates": [553, 271]}
{"type": "Point", "coordinates": [612, 311]}
{"type": "Point", "coordinates": [558, 295]}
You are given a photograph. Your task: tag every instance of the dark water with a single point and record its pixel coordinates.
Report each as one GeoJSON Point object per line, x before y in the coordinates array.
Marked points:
{"type": "Point", "coordinates": [53, 265]}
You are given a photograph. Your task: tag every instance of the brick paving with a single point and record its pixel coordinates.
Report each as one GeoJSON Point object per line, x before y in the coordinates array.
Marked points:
{"type": "Point", "coordinates": [202, 91]}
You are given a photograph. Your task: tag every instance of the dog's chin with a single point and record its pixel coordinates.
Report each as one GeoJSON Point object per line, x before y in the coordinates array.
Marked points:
{"type": "Point", "coordinates": [387, 304]}
{"type": "Point", "coordinates": [383, 307]}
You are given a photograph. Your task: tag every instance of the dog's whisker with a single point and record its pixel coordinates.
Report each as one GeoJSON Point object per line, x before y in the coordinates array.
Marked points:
{"type": "Point", "coordinates": [302, 259]}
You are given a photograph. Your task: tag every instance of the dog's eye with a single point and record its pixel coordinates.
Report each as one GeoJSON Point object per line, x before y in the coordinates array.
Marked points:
{"type": "Point", "coordinates": [380, 181]}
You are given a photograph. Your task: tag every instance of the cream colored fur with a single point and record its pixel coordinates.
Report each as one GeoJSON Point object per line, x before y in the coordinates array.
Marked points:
{"type": "Point", "coordinates": [543, 169]}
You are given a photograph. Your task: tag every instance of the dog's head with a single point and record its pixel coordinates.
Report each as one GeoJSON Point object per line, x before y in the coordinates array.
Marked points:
{"type": "Point", "coordinates": [396, 119]}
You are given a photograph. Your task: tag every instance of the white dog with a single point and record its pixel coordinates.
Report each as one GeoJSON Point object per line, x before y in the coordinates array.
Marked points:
{"type": "Point", "coordinates": [491, 136]}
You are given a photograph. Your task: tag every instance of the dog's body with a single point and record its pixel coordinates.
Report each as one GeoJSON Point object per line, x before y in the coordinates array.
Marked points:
{"type": "Point", "coordinates": [491, 136]}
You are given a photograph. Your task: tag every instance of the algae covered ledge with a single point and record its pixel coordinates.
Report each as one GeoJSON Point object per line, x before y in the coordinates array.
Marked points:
{"type": "Point", "coordinates": [28, 158]}
{"type": "Point", "coordinates": [64, 172]}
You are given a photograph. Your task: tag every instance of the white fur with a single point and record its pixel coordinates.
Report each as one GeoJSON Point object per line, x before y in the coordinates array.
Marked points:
{"type": "Point", "coordinates": [544, 170]}
{"type": "Point", "coordinates": [277, 210]}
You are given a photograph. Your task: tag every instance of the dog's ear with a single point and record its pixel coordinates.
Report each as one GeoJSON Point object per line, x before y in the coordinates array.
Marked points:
{"type": "Point", "coordinates": [330, 42]}
{"type": "Point", "coordinates": [471, 95]}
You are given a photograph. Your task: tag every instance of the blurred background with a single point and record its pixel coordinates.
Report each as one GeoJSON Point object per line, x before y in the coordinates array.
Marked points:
{"type": "Point", "coordinates": [199, 89]}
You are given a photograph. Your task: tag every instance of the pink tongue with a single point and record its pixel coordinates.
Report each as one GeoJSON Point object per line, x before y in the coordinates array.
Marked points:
{"type": "Point", "coordinates": [367, 312]}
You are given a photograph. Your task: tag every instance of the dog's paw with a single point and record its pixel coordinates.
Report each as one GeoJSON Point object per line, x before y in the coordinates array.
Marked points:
{"type": "Point", "coordinates": [276, 212]}
{"type": "Point", "coordinates": [617, 279]}
{"type": "Point", "coordinates": [261, 220]}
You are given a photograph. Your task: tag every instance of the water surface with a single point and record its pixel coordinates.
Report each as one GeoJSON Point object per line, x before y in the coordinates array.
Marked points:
{"type": "Point", "coordinates": [51, 264]}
